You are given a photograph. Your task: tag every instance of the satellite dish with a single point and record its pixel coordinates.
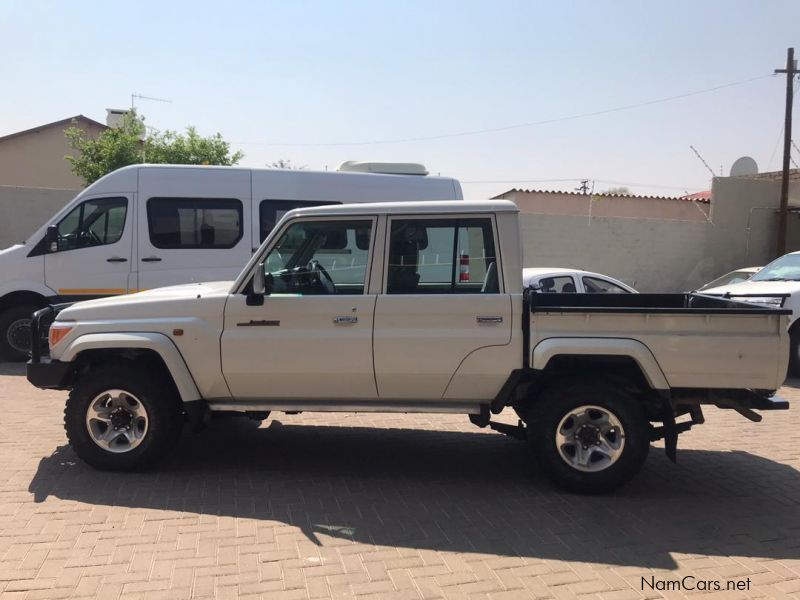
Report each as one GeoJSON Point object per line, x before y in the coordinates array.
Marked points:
{"type": "Point", "coordinates": [743, 167]}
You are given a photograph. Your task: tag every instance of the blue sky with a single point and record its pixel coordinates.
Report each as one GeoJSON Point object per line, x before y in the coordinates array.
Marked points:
{"type": "Point", "coordinates": [271, 73]}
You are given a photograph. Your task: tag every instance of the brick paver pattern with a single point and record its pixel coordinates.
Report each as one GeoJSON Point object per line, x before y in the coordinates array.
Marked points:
{"type": "Point", "coordinates": [388, 506]}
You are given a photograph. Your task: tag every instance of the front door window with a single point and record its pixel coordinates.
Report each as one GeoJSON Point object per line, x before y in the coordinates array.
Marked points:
{"type": "Point", "coordinates": [320, 257]}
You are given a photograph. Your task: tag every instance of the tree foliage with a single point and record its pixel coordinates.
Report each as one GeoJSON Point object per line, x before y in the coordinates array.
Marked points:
{"type": "Point", "coordinates": [131, 144]}
{"type": "Point", "coordinates": [618, 191]}
{"type": "Point", "coordinates": [285, 163]}
{"type": "Point", "coordinates": [114, 148]}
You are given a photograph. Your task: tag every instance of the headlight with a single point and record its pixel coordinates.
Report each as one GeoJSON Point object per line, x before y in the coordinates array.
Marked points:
{"type": "Point", "coordinates": [768, 300]}
{"type": "Point", "coordinates": [58, 331]}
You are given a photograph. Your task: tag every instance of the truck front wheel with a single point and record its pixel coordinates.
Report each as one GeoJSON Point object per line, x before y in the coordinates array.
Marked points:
{"type": "Point", "coordinates": [588, 438]}
{"type": "Point", "coordinates": [117, 418]}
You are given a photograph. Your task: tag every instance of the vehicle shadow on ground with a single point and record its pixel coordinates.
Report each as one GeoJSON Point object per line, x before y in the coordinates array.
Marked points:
{"type": "Point", "coordinates": [454, 491]}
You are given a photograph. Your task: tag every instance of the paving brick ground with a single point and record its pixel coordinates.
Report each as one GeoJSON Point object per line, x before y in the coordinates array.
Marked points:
{"type": "Point", "coordinates": [360, 506]}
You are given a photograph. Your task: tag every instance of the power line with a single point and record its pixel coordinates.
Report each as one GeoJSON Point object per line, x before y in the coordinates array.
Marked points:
{"type": "Point", "coordinates": [517, 125]}
{"type": "Point", "coordinates": [579, 179]}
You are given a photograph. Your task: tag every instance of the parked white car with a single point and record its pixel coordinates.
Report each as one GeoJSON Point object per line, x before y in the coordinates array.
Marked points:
{"type": "Point", "coordinates": [371, 308]}
{"type": "Point", "coordinates": [777, 284]}
{"type": "Point", "coordinates": [148, 226]}
{"type": "Point", "coordinates": [730, 278]}
{"type": "Point", "coordinates": [555, 280]}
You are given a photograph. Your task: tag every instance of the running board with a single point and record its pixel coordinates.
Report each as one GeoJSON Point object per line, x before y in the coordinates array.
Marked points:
{"type": "Point", "coordinates": [394, 406]}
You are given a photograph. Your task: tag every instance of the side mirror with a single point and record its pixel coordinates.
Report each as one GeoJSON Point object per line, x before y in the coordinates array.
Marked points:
{"type": "Point", "coordinates": [259, 287]}
{"type": "Point", "coordinates": [259, 281]}
{"type": "Point", "coordinates": [51, 238]}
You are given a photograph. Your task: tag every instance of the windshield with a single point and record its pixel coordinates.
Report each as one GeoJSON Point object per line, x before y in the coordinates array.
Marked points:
{"type": "Point", "coordinates": [785, 268]}
{"type": "Point", "coordinates": [728, 279]}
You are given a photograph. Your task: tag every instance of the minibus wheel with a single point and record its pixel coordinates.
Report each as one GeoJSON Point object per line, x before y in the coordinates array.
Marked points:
{"type": "Point", "coordinates": [15, 332]}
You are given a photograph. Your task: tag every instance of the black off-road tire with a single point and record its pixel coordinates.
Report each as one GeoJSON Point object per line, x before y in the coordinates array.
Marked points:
{"type": "Point", "coordinates": [10, 320]}
{"type": "Point", "coordinates": [159, 398]}
{"type": "Point", "coordinates": [559, 400]}
{"type": "Point", "coordinates": [794, 352]}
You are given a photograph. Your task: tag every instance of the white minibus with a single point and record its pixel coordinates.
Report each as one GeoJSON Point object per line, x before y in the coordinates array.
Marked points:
{"type": "Point", "coordinates": [148, 226]}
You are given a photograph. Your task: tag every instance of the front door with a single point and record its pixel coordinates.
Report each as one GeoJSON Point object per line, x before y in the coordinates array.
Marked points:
{"type": "Point", "coordinates": [94, 254]}
{"type": "Point", "coordinates": [312, 336]}
{"type": "Point", "coordinates": [442, 300]}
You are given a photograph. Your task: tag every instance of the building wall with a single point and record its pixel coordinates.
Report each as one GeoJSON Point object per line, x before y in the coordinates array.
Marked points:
{"type": "Point", "coordinates": [601, 205]}
{"type": "Point", "coordinates": [661, 253]}
{"type": "Point", "coordinates": [652, 255]}
{"type": "Point", "coordinates": [36, 159]}
{"type": "Point", "coordinates": [24, 210]}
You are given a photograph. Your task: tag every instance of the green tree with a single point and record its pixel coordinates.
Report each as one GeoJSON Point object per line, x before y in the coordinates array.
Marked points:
{"type": "Point", "coordinates": [189, 149]}
{"type": "Point", "coordinates": [131, 144]}
{"type": "Point", "coordinates": [116, 147]}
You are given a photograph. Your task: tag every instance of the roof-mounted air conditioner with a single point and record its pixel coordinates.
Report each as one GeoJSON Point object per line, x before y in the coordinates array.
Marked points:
{"type": "Point", "coordinates": [386, 168]}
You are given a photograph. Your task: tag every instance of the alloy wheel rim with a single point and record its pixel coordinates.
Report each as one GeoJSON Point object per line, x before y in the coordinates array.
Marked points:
{"type": "Point", "coordinates": [590, 438]}
{"type": "Point", "coordinates": [117, 421]}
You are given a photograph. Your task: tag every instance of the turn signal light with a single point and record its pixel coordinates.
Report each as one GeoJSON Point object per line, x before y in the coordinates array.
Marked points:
{"type": "Point", "coordinates": [58, 331]}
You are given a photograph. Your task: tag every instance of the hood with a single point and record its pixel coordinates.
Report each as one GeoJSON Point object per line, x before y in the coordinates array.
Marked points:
{"type": "Point", "coordinates": [756, 287]}
{"type": "Point", "coordinates": [175, 300]}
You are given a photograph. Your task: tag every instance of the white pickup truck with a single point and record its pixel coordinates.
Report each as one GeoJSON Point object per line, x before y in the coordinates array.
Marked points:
{"type": "Point", "coordinates": [408, 307]}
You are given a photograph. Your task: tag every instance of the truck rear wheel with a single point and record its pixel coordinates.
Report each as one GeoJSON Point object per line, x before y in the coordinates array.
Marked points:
{"type": "Point", "coordinates": [15, 332]}
{"type": "Point", "coordinates": [117, 419]}
{"type": "Point", "coordinates": [588, 438]}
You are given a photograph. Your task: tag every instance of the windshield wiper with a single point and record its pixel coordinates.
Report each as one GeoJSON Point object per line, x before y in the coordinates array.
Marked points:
{"type": "Point", "coordinates": [776, 279]}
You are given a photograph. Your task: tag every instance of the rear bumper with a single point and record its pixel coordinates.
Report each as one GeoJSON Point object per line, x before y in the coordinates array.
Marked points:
{"type": "Point", "coordinates": [49, 374]}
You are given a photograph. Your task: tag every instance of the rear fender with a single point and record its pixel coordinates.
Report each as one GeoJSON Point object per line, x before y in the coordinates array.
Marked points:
{"type": "Point", "coordinates": [549, 348]}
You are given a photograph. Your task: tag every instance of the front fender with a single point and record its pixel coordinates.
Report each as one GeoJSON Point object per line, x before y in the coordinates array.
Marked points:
{"type": "Point", "coordinates": [27, 286]}
{"type": "Point", "coordinates": [158, 342]}
{"type": "Point", "coordinates": [550, 347]}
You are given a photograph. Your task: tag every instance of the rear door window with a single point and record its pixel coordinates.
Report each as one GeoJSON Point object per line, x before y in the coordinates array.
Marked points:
{"type": "Point", "coordinates": [442, 256]}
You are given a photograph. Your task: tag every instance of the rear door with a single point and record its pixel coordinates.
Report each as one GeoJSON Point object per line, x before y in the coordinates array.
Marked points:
{"type": "Point", "coordinates": [442, 299]}
{"type": "Point", "coordinates": [194, 225]}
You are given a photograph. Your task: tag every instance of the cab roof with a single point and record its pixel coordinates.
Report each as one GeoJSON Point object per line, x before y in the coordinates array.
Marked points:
{"type": "Point", "coordinates": [416, 207]}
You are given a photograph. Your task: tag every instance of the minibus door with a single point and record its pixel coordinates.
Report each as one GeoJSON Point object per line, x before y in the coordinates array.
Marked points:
{"type": "Point", "coordinates": [92, 255]}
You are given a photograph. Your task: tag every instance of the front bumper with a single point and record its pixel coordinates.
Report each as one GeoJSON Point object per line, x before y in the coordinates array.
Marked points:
{"type": "Point", "coordinates": [49, 374]}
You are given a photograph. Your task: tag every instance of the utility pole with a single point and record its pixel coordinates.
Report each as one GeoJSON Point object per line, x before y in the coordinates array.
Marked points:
{"type": "Point", "coordinates": [583, 188]}
{"type": "Point", "coordinates": [791, 71]}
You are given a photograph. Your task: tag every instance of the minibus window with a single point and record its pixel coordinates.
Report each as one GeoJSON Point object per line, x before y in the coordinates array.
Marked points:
{"type": "Point", "coordinates": [95, 222]}
{"type": "Point", "coordinates": [271, 211]}
{"type": "Point", "coordinates": [193, 223]}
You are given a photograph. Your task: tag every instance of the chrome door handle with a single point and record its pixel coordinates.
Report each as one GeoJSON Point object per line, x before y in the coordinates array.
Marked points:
{"type": "Point", "coordinates": [489, 319]}
{"type": "Point", "coordinates": [344, 320]}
